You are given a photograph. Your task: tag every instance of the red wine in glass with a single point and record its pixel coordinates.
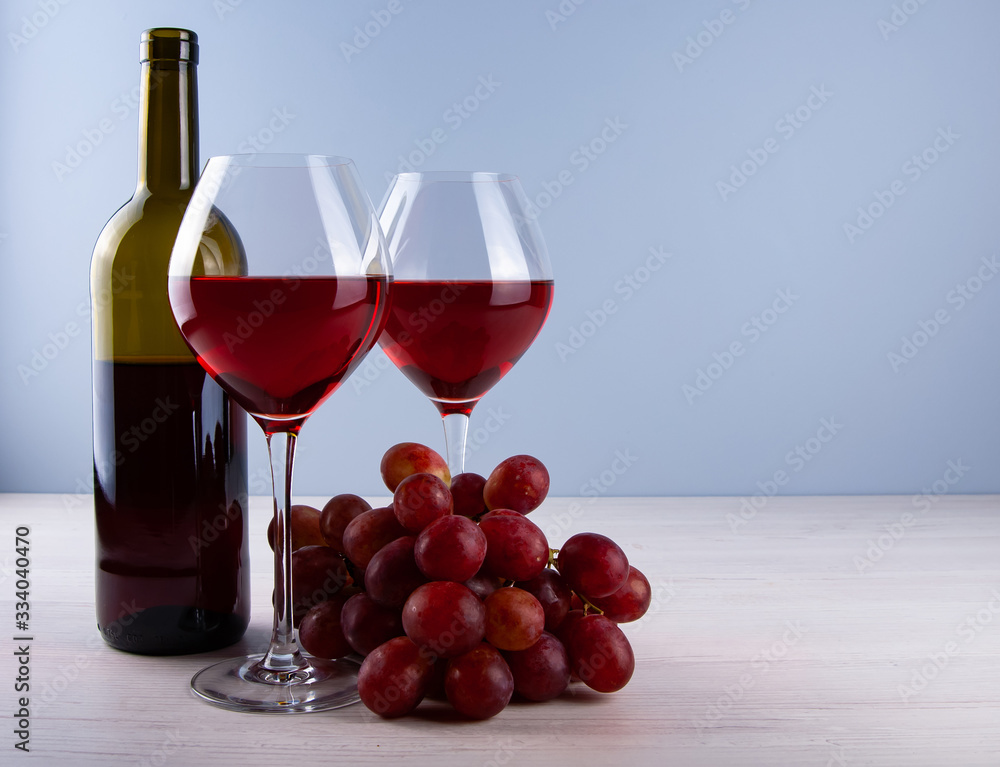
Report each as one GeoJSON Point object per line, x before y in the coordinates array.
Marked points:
{"type": "Point", "coordinates": [454, 339]}
{"type": "Point", "coordinates": [279, 346]}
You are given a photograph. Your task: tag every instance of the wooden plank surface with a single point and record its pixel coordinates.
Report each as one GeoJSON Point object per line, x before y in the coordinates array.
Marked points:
{"type": "Point", "coordinates": [815, 631]}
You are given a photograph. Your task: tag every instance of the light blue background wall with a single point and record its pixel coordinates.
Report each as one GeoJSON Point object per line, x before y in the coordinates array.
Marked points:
{"type": "Point", "coordinates": [557, 80]}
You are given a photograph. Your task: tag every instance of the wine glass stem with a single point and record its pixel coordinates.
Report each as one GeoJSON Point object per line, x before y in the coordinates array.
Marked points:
{"type": "Point", "coordinates": [456, 432]}
{"type": "Point", "coordinates": [283, 656]}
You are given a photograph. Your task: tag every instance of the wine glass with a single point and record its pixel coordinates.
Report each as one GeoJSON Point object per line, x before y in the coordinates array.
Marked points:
{"type": "Point", "coordinates": [472, 288]}
{"type": "Point", "coordinates": [278, 282]}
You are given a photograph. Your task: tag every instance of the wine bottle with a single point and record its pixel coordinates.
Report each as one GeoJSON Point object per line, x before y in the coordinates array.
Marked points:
{"type": "Point", "coordinates": [170, 475]}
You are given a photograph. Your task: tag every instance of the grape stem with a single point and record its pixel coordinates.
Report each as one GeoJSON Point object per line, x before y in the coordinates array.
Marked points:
{"type": "Point", "coordinates": [588, 606]}
{"type": "Point", "coordinates": [352, 570]}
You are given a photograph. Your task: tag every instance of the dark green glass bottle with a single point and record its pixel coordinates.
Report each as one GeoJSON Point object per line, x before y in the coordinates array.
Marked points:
{"type": "Point", "coordinates": [170, 475]}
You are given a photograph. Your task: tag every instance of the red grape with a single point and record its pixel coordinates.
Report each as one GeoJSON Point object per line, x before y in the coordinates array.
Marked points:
{"type": "Point", "coordinates": [368, 532]}
{"type": "Point", "coordinates": [367, 625]}
{"type": "Point", "coordinates": [593, 565]}
{"type": "Point", "coordinates": [318, 573]}
{"type": "Point", "coordinates": [467, 493]}
{"type": "Point", "coordinates": [564, 631]}
{"type": "Point", "coordinates": [551, 591]}
{"type": "Point", "coordinates": [483, 584]}
{"type": "Point", "coordinates": [445, 618]}
{"type": "Point", "coordinates": [392, 575]}
{"type": "Point", "coordinates": [501, 513]}
{"type": "Point", "coordinates": [541, 672]}
{"type": "Point", "coordinates": [407, 458]}
{"type": "Point", "coordinates": [630, 602]}
{"type": "Point", "coordinates": [600, 654]}
{"type": "Point", "coordinates": [419, 500]}
{"type": "Point", "coordinates": [520, 482]}
{"type": "Point", "coordinates": [516, 548]}
{"type": "Point", "coordinates": [514, 619]}
{"type": "Point", "coordinates": [394, 678]}
{"type": "Point", "coordinates": [478, 683]}
{"type": "Point", "coordinates": [337, 514]}
{"type": "Point", "coordinates": [450, 549]}
{"type": "Point", "coordinates": [320, 631]}
{"type": "Point", "coordinates": [305, 528]}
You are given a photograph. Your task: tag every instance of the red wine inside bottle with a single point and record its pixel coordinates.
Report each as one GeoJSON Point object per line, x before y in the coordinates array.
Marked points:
{"type": "Point", "coordinates": [170, 486]}
{"type": "Point", "coordinates": [171, 543]}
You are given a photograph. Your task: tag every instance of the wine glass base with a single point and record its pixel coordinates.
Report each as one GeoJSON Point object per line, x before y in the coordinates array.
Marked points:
{"type": "Point", "coordinates": [238, 684]}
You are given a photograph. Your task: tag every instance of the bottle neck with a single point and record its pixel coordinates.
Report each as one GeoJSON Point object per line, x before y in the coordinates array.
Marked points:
{"type": "Point", "coordinates": [168, 126]}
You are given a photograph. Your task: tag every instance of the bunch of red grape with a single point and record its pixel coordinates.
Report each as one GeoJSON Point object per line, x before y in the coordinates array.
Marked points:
{"type": "Point", "coordinates": [456, 593]}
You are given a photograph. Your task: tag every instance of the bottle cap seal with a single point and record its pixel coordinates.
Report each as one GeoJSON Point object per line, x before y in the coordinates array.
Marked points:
{"type": "Point", "coordinates": [168, 43]}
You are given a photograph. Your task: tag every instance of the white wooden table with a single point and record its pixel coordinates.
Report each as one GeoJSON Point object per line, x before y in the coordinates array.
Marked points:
{"type": "Point", "coordinates": [823, 631]}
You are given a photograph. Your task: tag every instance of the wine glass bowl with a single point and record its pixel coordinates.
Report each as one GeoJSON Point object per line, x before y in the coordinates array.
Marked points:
{"type": "Point", "coordinates": [472, 288]}
{"type": "Point", "coordinates": [261, 325]}
{"type": "Point", "coordinates": [279, 322]}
